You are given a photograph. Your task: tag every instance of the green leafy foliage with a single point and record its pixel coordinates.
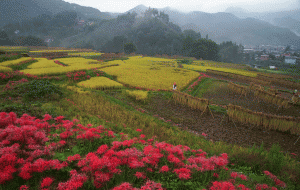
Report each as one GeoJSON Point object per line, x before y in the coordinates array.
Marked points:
{"type": "Point", "coordinates": [129, 48]}
{"type": "Point", "coordinates": [83, 147]}
{"type": "Point", "coordinates": [39, 89]}
{"type": "Point", "coordinates": [9, 57]}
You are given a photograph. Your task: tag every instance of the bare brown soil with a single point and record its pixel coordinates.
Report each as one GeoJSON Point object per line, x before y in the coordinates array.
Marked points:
{"type": "Point", "coordinates": [228, 131]}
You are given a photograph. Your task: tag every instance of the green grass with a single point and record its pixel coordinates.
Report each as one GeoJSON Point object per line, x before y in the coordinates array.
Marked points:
{"type": "Point", "coordinates": [23, 66]}
{"type": "Point", "coordinates": [217, 109]}
{"type": "Point", "coordinates": [7, 58]}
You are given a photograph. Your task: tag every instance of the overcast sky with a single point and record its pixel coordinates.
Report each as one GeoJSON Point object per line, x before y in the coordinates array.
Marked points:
{"type": "Point", "coordinates": [209, 6]}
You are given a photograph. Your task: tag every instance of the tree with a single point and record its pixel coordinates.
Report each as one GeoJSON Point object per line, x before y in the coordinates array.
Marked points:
{"type": "Point", "coordinates": [187, 45]}
{"type": "Point", "coordinates": [4, 39]}
{"type": "Point", "coordinates": [118, 43]}
{"type": "Point", "coordinates": [192, 34]}
{"type": "Point", "coordinates": [287, 48]}
{"type": "Point", "coordinates": [155, 12]}
{"type": "Point", "coordinates": [272, 57]}
{"type": "Point", "coordinates": [129, 48]}
{"type": "Point", "coordinates": [29, 41]}
{"type": "Point", "coordinates": [115, 45]}
{"type": "Point", "coordinates": [298, 62]}
{"type": "Point", "coordinates": [164, 17]}
{"type": "Point", "coordinates": [205, 49]}
{"type": "Point", "coordinates": [229, 52]}
{"type": "Point", "coordinates": [247, 57]}
{"type": "Point", "coordinates": [207, 36]}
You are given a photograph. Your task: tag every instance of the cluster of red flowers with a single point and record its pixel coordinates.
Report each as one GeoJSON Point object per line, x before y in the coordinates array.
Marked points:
{"type": "Point", "coordinates": [10, 55]}
{"type": "Point", "coordinates": [10, 85]}
{"type": "Point", "coordinates": [81, 75]}
{"type": "Point", "coordinates": [8, 75]}
{"type": "Point", "coordinates": [196, 82]}
{"type": "Point", "coordinates": [77, 76]}
{"type": "Point", "coordinates": [57, 62]}
{"type": "Point", "coordinates": [97, 72]}
{"type": "Point", "coordinates": [99, 166]}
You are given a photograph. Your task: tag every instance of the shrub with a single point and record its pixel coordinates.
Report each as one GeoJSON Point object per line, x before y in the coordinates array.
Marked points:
{"type": "Point", "coordinates": [39, 89]}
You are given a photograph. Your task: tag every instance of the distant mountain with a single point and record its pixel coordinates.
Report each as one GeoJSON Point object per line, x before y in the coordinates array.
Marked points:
{"type": "Point", "coordinates": [248, 28]}
{"type": "Point", "coordinates": [235, 10]}
{"type": "Point", "coordinates": [237, 25]}
{"type": "Point", "coordinates": [12, 11]}
{"type": "Point", "coordinates": [287, 19]}
{"type": "Point", "coordinates": [140, 9]}
{"type": "Point", "coordinates": [228, 27]}
{"type": "Point", "coordinates": [288, 22]}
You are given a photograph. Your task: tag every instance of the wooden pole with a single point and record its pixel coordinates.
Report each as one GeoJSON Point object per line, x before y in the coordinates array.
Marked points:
{"type": "Point", "coordinates": [211, 112]}
{"type": "Point", "coordinates": [222, 119]}
{"type": "Point", "coordinates": [203, 111]}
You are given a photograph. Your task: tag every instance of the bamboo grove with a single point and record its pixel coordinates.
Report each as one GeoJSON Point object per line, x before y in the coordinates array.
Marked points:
{"type": "Point", "coordinates": [268, 121]}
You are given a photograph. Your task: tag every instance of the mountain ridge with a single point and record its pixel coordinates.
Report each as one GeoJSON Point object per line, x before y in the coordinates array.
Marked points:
{"type": "Point", "coordinates": [221, 26]}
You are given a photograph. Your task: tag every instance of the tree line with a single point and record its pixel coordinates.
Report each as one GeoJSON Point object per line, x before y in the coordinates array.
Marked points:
{"type": "Point", "coordinates": [153, 34]}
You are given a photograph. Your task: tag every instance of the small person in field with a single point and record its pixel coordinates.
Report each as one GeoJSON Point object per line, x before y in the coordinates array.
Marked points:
{"type": "Point", "coordinates": [296, 96]}
{"type": "Point", "coordinates": [174, 86]}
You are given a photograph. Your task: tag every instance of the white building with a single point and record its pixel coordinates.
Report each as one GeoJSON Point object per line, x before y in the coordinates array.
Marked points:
{"type": "Point", "coordinates": [290, 59]}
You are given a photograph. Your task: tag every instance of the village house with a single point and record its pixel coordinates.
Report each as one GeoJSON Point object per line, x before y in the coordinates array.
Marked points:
{"type": "Point", "coordinates": [264, 57]}
{"type": "Point", "coordinates": [80, 22]}
{"type": "Point", "coordinates": [290, 59]}
{"type": "Point", "coordinates": [277, 55]}
{"type": "Point", "coordinates": [248, 50]}
{"type": "Point", "coordinates": [90, 23]}
{"type": "Point", "coordinates": [48, 39]}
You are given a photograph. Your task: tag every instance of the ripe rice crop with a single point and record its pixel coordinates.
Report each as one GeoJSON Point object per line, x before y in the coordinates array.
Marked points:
{"type": "Point", "coordinates": [85, 54]}
{"type": "Point", "coordinates": [5, 69]}
{"type": "Point", "coordinates": [13, 48]}
{"type": "Point", "coordinates": [75, 64]}
{"type": "Point", "coordinates": [234, 71]}
{"type": "Point", "coordinates": [193, 102]}
{"type": "Point", "coordinates": [145, 73]}
{"type": "Point", "coordinates": [221, 64]}
{"type": "Point", "coordinates": [100, 83]}
{"type": "Point", "coordinates": [43, 63]}
{"type": "Point", "coordinates": [255, 86]}
{"type": "Point", "coordinates": [137, 94]}
{"type": "Point", "coordinates": [238, 88]}
{"type": "Point", "coordinates": [78, 90]}
{"type": "Point", "coordinates": [42, 51]}
{"type": "Point", "coordinates": [15, 62]}
{"type": "Point", "coordinates": [274, 122]}
{"type": "Point", "coordinates": [271, 98]}
{"type": "Point", "coordinates": [72, 61]}
{"type": "Point", "coordinates": [60, 70]}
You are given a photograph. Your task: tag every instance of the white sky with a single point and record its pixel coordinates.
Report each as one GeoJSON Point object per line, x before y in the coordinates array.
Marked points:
{"type": "Point", "coordinates": [209, 6]}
